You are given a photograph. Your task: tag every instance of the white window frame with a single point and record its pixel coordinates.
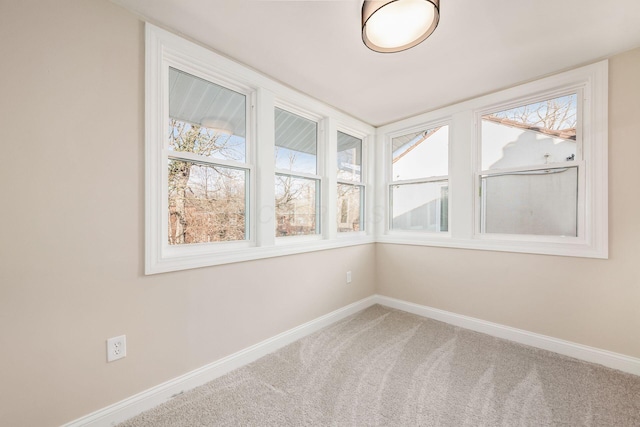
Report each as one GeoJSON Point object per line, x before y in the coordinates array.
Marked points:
{"type": "Point", "coordinates": [164, 49]}
{"type": "Point", "coordinates": [578, 162]}
{"type": "Point", "coordinates": [391, 182]}
{"type": "Point", "coordinates": [590, 82]}
{"type": "Point", "coordinates": [319, 176]}
{"type": "Point", "coordinates": [247, 166]}
{"type": "Point", "coordinates": [364, 188]}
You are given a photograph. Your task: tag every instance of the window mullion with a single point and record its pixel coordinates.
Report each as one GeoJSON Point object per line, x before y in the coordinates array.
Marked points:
{"type": "Point", "coordinates": [265, 173]}
{"type": "Point", "coordinates": [330, 171]}
{"type": "Point", "coordinates": [462, 183]}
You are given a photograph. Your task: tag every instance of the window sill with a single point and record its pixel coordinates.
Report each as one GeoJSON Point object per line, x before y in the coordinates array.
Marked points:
{"type": "Point", "coordinates": [215, 256]}
{"type": "Point", "coordinates": [572, 247]}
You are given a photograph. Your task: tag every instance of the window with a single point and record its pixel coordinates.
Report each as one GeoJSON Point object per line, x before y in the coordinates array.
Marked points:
{"type": "Point", "coordinates": [527, 170]}
{"type": "Point", "coordinates": [350, 192]}
{"type": "Point", "coordinates": [237, 164]}
{"type": "Point", "coordinates": [297, 182]}
{"type": "Point", "coordinates": [207, 175]}
{"type": "Point", "coordinates": [213, 192]}
{"type": "Point", "coordinates": [419, 191]}
{"type": "Point", "coordinates": [531, 169]}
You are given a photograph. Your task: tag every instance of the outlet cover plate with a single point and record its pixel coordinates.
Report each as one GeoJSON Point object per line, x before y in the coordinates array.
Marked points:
{"type": "Point", "coordinates": [116, 348]}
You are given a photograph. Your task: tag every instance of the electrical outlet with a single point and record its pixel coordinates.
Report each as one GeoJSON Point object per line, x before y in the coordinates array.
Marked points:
{"type": "Point", "coordinates": [348, 276]}
{"type": "Point", "coordinates": [116, 348]}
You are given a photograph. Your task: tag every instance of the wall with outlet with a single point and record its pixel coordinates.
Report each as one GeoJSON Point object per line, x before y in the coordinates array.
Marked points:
{"type": "Point", "coordinates": [73, 232]}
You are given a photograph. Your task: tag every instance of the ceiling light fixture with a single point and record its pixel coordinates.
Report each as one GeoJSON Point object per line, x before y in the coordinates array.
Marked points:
{"type": "Point", "coordinates": [396, 25]}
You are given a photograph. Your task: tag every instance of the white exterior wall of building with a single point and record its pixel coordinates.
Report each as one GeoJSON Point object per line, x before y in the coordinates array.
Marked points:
{"type": "Point", "coordinates": [540, 202]}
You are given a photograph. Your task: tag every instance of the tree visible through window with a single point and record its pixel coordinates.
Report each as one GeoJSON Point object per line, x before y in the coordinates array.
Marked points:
{"type": "Point", "coordinates": [350, 191]}
{"type": "Point", "coordinates": [212, 195]}
{"type": "Point", "coordinates": [297, 183]}
{"type": "Point", "coordinates": [207, 199]}
{"type": "Point", "coordinates": [530, 169]}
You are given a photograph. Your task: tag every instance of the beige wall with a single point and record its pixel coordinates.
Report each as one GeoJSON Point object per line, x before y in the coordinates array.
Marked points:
{"type": "Point", "coordinates": [588, 301]}
{"type": "Point", "coordinates": [71, 215]}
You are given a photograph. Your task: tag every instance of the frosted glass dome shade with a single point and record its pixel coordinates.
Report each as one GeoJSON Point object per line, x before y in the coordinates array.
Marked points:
{"type": "Point", "coordinates": [393, 26]}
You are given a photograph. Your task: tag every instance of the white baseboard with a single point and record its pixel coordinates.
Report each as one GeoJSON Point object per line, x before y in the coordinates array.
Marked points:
{"type": "Point", "coordinates": [134, 405]}
{"type": "Point", "coordinates": [567, 348]}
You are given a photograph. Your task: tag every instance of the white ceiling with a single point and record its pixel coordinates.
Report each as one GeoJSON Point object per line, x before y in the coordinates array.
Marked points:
{"type": "Point", "coordinates": [480, 46]}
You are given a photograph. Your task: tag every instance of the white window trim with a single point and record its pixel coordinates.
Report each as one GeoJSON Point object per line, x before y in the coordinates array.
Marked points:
{"type": "Point", "coordinates": [366, 173]}
{"type": "Point", "coordinates": [579, 90]}
{"type": "Point", "coordinates": [249, 166]}
{"type": "Point", "coordinates": [592, 82]}
{"type": "Point", "coordinates": [408, 235]}
{"type": "Point", "coordinates": [164, 48]}
{"type": "Point", "coordinates": [319, 176]}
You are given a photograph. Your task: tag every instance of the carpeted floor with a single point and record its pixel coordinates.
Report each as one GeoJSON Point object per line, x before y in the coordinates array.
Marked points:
{"type": "Point", "coordinates": [391, 368]}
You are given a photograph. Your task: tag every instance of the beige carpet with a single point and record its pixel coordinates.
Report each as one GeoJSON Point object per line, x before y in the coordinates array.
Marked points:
{"type": "Point", "coordinates": [391, 368]}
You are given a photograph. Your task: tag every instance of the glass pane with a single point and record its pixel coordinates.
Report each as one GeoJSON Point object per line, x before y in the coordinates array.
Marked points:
{"type": "Point", "coordinates": [542, 202]}
{"type": "Point", "coordinates": [206, 203]}
{"type": "Point", "coordinates": [350, 207]}
{"type": "Point", "coordinates": [296, 206]}
{"type": "Point", "coordinates": [420, 207]}
{"type": "Point", "coordinates": [349, 157]}
{"type": "Point", "coordinates": [534, 134]}
{"type": "Point", "coordinates": [296, 142]}
{"type": "Point", "coordinates": [205, 118]}
{"type": "Point", "coordinates": [421, 154]}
